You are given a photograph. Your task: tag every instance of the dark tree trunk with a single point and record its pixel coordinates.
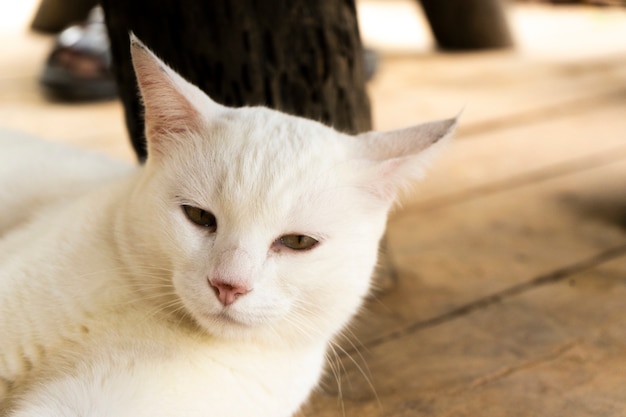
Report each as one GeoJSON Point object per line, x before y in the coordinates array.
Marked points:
{"type": "Point", "coordinates": [303, 57]}
{"type": "Point", "coordinates": [468, 24]}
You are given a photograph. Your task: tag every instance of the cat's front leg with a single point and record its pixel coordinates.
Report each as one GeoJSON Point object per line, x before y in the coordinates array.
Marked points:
{"type": "Point", "coordinates": [131, 387]}
{"type": "Point", "coordinates": [68, 397]}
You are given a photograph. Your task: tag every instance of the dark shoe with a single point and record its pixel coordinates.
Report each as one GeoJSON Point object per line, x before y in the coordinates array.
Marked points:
{"type": "Point", "coordinates": [79, 67]}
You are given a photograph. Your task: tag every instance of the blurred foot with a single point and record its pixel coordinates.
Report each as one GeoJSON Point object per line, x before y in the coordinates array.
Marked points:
{"type": "Point", "coordinates": [79, 66]}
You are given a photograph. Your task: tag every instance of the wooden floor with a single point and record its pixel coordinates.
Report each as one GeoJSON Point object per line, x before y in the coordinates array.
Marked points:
{"type": "Point", "coordinates": [510, 297]}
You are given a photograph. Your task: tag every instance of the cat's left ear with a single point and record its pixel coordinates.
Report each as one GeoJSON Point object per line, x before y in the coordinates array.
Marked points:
{"type": "Point", "coordinates": [173, 106]}
{"type": "Point", "coordinates": [400, 156]}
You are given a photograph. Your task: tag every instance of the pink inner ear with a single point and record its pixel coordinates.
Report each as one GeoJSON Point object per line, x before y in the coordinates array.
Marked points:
{"type": "Point", "coordinates": [168, 111]}
{"type": "Point", "coordinates": [170, 114]}
{"type": "Point", "coordinates": [384, 184]}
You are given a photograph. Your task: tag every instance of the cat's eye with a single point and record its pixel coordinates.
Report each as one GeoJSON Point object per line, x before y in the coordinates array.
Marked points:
{"type": "Point", "coordinates": [201, 217]}
{"type": "Point", "coordinates": [298, 242]}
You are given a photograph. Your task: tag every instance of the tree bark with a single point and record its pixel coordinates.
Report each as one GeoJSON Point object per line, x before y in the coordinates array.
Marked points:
{"type": "Point", "coordinates": [468, 24]}
{"type": "Point", "coordinates": [303, 57]}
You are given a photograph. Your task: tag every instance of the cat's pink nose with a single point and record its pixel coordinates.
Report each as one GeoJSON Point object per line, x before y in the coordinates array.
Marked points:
{"type": "Point", "coordinates": [228, 293]}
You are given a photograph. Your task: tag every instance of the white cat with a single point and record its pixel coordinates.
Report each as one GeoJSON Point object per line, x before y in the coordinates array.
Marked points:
{"type": "Point", "coordinates": [208, 282]}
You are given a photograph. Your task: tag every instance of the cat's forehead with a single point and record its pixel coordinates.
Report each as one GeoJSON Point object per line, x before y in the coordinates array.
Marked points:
{"type": "Point", "coordinates": [260, 123]}
{"type": "Point", "coordinates": [253, 136]}
{"type": "Point", "coordinates": [256, 156]}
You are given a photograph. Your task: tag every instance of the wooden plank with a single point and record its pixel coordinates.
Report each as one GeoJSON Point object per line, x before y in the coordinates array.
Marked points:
{"type": "Point", "coordinates": [494, 88]}
{"type": "Point", "coordinates": [508, 157]}
{"type": "Point", "coordinates": [452, 256]}
{"type": "Point", "coordinates": [552, 350]}
{"type": "Point", "coordinates": [23, 52]}
{"type": "Point", "coordinates": [97, 126]}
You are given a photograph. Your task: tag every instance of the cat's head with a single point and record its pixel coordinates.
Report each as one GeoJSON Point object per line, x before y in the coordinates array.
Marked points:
{"type": "Point", "coordinates": [263, 225]}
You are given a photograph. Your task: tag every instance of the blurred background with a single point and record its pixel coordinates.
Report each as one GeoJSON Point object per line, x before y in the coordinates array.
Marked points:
{"type": "Point", "coordinates": [507, 265]}
{"type": "Point", "coordinates": [556, 52]}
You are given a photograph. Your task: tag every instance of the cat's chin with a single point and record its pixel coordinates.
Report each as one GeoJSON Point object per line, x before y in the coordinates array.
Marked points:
{"type": "Point", "coordinates": [231, 323]}
{"type": "Point", "coordinates": [252, 328]}
{"type": "Point", "coordinates": [228, 328]}
{"type": "Point", "coordinates": [233, 318]}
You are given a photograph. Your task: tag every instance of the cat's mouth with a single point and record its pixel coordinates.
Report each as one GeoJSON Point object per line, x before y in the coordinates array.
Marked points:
{"type": "Point", "coordinates": [242, 316]}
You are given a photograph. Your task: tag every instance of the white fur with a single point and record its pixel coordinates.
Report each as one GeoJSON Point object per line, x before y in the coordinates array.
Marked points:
{"type": "Point", "coordinates": [105, 306]}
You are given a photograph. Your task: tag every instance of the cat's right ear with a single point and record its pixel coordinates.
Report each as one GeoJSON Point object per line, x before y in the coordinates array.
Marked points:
{"type": "Point", "coordinates": [398, 157]}
{"type": "Point", "coordinates": [173, 106]}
